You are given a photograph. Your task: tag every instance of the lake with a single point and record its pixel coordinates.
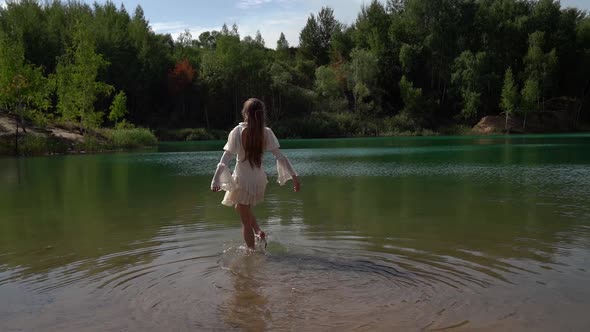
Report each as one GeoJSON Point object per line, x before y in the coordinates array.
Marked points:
{"type": "Point", "coordinates": [440, 233]}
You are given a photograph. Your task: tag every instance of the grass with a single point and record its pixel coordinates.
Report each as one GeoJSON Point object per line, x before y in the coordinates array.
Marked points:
{"type": "Point", "coordinates": [6, 146]}
{"type": "Point", "coordinates": [34, 145]}
{"type": "Point", "coordinates": [125, 138]}
{"type": "Point", "coordinates": [101, 140]}
{"type": "Point", "coordinates": [190, 134]}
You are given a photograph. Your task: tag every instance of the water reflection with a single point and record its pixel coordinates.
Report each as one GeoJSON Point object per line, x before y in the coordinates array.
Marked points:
{"type": "Point", "coordinates": [408, 234]}
{"type": "Point", "coordinates": [246, 309]}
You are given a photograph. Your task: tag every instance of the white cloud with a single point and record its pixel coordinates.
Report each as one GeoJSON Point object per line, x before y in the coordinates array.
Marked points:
{"type": "Point", "coordinates": [291, 19]}
{"type": "Point", "coordinates": [247, 4]}
{"type": "Point", "coordinates": [271, 26]}
{"type": "Point", "coordinates": [177, 27]}
{"type": "Point", "coordinates": [287, 16]}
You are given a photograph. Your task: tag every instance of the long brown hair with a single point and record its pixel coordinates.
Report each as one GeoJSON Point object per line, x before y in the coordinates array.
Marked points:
{"type": "Point", "coordinates": [254, 114]}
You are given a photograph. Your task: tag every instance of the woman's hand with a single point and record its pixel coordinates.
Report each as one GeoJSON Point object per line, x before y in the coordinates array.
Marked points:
{"type": "Point", "coordinates": [296, 185]}
{"type": "Point", "coordinates": [215, 189]}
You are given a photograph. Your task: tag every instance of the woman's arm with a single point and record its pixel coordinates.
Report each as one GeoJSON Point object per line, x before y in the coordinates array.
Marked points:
{"type": "Point", "coordinates": [285, 170]}
{"type": "Point", "coordinates": [220, 178]}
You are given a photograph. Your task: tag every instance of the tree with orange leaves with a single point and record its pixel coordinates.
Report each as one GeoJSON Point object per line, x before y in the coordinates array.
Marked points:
{"type": "Point", "coordinates": [181, 77]}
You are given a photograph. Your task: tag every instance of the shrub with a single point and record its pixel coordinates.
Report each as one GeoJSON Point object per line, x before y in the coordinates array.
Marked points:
{"type": "Point", "coordinates": [129, 138]}
{"type": "Point", "coordinates": [190, 134]}
{"type": "Point", "coordinates": [34, 145]}
{"type": "Point", "coordinates": [199, 134]}
{"type": "Point", "coordinates": [124, 125]}
{"type": "Point", "coordinates": [400, 123]}
{"type": "Point", "coordinates": [456, 130]}
{"type": "Point", "coordinates": [92, 144]}
{"type": "Point", "coordinates": [322, 125]}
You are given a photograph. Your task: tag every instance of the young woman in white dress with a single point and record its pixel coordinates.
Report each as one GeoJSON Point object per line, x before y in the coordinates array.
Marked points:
{"type": "Point", "coordinates": [245, 188]}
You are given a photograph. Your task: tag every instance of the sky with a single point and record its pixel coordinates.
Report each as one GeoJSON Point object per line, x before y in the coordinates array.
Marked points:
{"type": "Point", "coordinates": [271, 17]}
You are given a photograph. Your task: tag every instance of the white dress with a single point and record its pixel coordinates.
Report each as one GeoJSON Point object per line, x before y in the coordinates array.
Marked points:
{"type": "Point", "coordinates": [247, 184]}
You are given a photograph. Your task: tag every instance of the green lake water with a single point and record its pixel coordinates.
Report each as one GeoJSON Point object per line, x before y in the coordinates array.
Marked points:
{"type": "Point", "coordinates": [443, 233]}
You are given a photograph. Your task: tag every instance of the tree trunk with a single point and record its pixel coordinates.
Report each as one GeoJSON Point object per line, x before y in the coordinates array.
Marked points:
{"type": "Point", "coordinates": [207, 117]}
{"type": "Point", "coordinates": [16, 138]}
{"type": "Point", "coordinates": [432, 77]}
{"type": "Point", "coordinates": [273, 107]}
{"type": "Point", "coordinates": [524, 121]}
{"type": "Point", "coordinates": [578, 113]}
{"type": "Point", "coordinates": [236, 103]}
{"type": "Point", "coordinates": [22, 123]}
{"type": "Point", "coordinates": [506, 123]}
{"type": "Point", "coordinates": [280, 106]}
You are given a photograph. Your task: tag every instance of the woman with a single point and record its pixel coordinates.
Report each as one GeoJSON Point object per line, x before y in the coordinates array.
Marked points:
{"type": "Point", "coordinates": [245, 188]}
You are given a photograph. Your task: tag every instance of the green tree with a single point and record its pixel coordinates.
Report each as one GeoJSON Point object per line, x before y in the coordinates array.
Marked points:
{"type": "Point", "coordinates": [281, 84]}
{"type": "Point", "coordinates": [118, 107]}
{"type": "Point", "coordinates": [342, 44]}
{"type": "Point", "coordinates": [282, 50]}
{"type": "Point", "coordinates": [282, 43]}
{"type": "Point", "coordinates": [76, 81]}
{"type": "Point", "coordinates": [212, 78]}
{"type": "Point", "coordinates": [328, 26]}
{"type": "Point", "coordinates": [362, 80]}
{"type": "Point", "coordinates": [395, 6]}
{"type": "Point", "coordinates": [24, 91]}
{"type": "Point", "coordinates": [539, 65]}
{"type": "Point", "coordinates": [229, 53]}
{"type": "Point", "coordinates": [309, 39]}
{"type": "Point", "coordinates": [582, 68]}
{"type": "Point", "coordinates": [531, 93]}
{"type": "Point", "coordinates": [469, 75]}
{"type": "Point", "coordinates": [329, 90]}
{"type": "Point", "coordinates": [509, 102]}
{"type": "Point", "coordinates": [434, 45]}
{"type": "Point", "coordinates": [409, 55]}
{"type": "Point", "coordinates": [413, 100]}
{"type": "Point", "coordinates": [258, 39]}
{"type": "Point", "coordinates": [372, 26]}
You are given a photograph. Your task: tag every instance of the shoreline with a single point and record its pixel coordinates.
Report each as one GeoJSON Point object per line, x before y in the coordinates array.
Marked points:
{"type": "Point", "coordinates": [63, 147]}
{"type": "Point", "coordinates": [54, 140]}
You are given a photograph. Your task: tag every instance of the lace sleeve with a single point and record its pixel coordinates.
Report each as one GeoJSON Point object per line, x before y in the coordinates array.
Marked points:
{"type": "Point", "coordinates": [285, 170]}
{"type": "Point", "coordinates": [223, 178]}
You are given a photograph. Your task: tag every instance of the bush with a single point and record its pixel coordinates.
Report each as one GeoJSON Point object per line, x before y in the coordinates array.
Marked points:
{"type": "Point", "coordinates": [456, 130]}
{"type": "Point", "coordinates": [199, 134]}
{"type": "Point", "coordinates": [349, 124]}
{"type": "Point", "coordinates": [34, 145]}
{"type": "Point", "coordinates": [6, 145]}
{"type": "Point", "coordinates": [190, 134]}
{"type": "Point", "coordinates": [400, 123]}
{"type": "Point", "coordinates": [128, 138]}
{"type": "Point", "coordinates": [92, 144]}
{"type": "Point", "coordinates": [125, 125]}
{"type": "Point", "coordinates": [322, 125]}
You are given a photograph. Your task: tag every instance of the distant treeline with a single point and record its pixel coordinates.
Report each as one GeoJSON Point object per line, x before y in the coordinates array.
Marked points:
{"type": "Point", "coordinates": [404, 65]}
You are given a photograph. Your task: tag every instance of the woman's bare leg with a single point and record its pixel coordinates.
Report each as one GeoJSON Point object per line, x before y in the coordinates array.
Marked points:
{"type": "Point", "coordinates": [247, 226]}
{"type": "Point", "coordinates": [253, 223]}
{"type": "Point", "coordinates": [257, 229]}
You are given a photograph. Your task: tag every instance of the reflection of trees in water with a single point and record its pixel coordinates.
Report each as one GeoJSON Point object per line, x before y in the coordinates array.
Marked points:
{"type": "Point", "coordinates": [87, 214]}
{"type": "Point", "coordinates": [440, 214]}
{"type": "Point", "coordinates": [247, 308]}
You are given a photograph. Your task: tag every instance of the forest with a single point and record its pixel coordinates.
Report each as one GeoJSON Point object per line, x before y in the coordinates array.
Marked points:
{"type": "Point", "coordinates": [403, 67]}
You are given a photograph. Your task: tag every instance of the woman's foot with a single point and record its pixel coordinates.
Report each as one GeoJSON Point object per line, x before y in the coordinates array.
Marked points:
{"type": "Point", "coordinates": [262, 236]}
